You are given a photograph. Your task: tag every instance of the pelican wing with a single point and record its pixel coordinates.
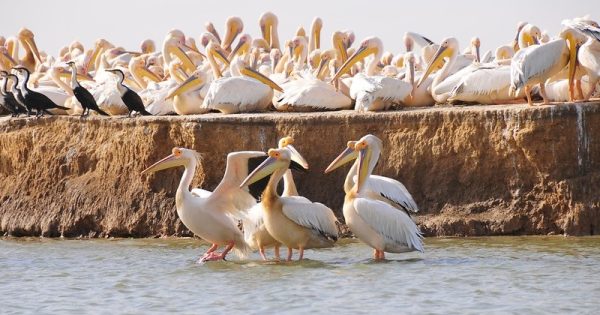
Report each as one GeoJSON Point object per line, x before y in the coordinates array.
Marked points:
{"type": "Point", "coordinates": [312, 94]}
{"type": "Point", "coordinates": [419, 39]}
{"type": "Point", "coordinates": [235, 172]}
{"type": "Point", "coordinates": [395, 226]}
{"type": "Point", "coordinates": [537, 60]}
{"type": "Point", "coordinates": [485, 80]}
{"type": "Point", "coordinates": [311, 215]}
{"type": "Point", "coordinates": [393, 190]}
{"type": "Point", "coordinates": [585, 28]}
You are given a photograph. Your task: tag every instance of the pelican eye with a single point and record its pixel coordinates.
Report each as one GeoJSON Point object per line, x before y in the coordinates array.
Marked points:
{"type": "Point", "coordinates": [176, 152]}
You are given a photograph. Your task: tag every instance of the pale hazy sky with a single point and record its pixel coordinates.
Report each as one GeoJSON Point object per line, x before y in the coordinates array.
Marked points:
{"type": "Point", "coordinates": [127, 23]}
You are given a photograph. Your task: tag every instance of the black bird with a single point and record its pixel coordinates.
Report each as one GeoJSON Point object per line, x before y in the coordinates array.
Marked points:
{"type": "Point", "coordinates": [131, 99]}
{"type": "Point", "coordinates": [35, 100]}
{"type": "Point", "coordinates": [7, 99]}
{"type": "Point", "coordinates": [17, 95]}
{"type": "Point", "coordinates": [85, 98]}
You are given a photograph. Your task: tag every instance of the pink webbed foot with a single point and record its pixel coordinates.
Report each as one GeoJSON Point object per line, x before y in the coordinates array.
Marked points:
{"type": "Point", "coordinates": [212, 256]}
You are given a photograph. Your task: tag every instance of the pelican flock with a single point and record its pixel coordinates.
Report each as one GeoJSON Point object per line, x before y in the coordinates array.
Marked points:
{"type": "Point", "coordinates": [239, 73]}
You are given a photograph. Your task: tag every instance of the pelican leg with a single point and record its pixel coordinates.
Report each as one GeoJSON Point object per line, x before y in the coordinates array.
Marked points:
{"type": "Point", "coordinates": [528, 94]}
{"type": "Point", "coordinates": [543, 93]}
{"type": "Point", "coordinates": [277, 257]}
{"type": "Point", "coordinates": [261, 250]}
{"type": "Point", "coordinates": [301, 255]}
{"type": "Point", "coordinates": [381, 255]}
{"type": "Point", "coordinates": [289, 255]}
{"type": "Point", "coordinates": [209, 253]}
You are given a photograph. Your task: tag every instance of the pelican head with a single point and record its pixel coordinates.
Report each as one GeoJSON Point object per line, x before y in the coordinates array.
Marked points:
{"type": "Point", "coordinates": [234, 27]}
{"type": "Point", "coordinates": [211, 30]}
{"type": "Point", "coordinates": [365, 150]}
{"type": "Point", "coordinates": [369, 46]}
{"type": "Point", "coordinates": [148, 46]}
{"type": "Point", "coordinates": [529, 35]}
{"type": "Point", "coordinates": [178, 157]}
{"type": "Point", "coordinates": [317, 25]}
{"type": "Point", "coordinates": [476, 43]}
{"type": "Point", "coordinates": [278, 160]}
{"type": "Point", "coordinates": [340, 40]}
{"type": "Point", "coordinates": [301, 31]}
{"type": "Point", "coordinates": [286, 142]}
{"type": "Point", "coordinates": [207, 38]}
{"type": "Point", "coordinates": [409, 43]}
{"type": "Point", "coordinates": [268, 24]}
{"type": "Point", "coordinates": [243, 46]}
{"type": "Point", "coordinates": [448, 48]}
{"type": "Point", "coordinates": [195, 81]}
{"type": "Point", "coordinates": [26, 37]}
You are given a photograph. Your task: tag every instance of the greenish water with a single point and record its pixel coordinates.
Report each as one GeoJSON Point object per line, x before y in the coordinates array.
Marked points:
{"type": "Point", "coordinates": [520, 275]}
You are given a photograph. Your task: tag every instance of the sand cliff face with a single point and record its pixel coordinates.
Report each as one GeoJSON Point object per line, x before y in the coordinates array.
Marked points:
{"type": "Point", "coordinates": [472, 170]}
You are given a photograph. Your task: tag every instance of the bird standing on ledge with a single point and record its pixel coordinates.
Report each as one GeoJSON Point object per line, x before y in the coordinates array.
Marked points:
{"type": "Point", "coordinates": [131, 99]}
{"type": "Point", "coordinates": [83, 96]}
{"type": "Point", "coordinates": [35, 100]}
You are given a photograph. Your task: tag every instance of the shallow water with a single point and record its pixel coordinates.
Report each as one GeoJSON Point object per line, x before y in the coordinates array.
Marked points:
{"type": "Point", "coordinates": [524, 275]}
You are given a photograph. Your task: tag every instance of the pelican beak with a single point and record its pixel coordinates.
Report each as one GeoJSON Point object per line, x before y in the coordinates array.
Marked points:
{"type": "Point", "coordinates": [436, 62]}
{"type": "Point", "coordinates": [321, 67]}
{"type": "Point", "coordinates": [247, 71]}
{"type": "Point", "coordinates": [144, 72]}
{"type": "Point", "coordinates": [231, 33]}
{"type": "Point", "coordinates": [265, 29]}
{"type": "Point", "coordinates": [187, 63]}
{"type": "Point", "coordinates": [237, 48]}
{"type": "Point", "coordinates": [346, 156]}
{"type": "Point", "coordinates": [411, 71]}
{"type": "Point", "coordinates": [266, 168]}
{"type": "Point", "coordinates": [573, 49]}
{"type": "Point", "coordinates": [364, 159]}
{"type": "Point", "coordinates": [11, 61]}
{"type": "Point", "coordinates": [168, 162]}
{"type": "Point", "coordinates": [535, 40]}
{"type": "Point", "coordinates": [340, 45]}
{"type": "Point", "coordinates": [36, 53]}
{"type": "Point", "coordinates": [297, 157]}
{"type": "Point", "coordinates": [92, 61]}
{"type": "Point", "coordinates": [317, 36]}
{"type": "Point", "coordinates": [359, 55]}
{"type": "Point", "coordinates": [220, 55]}
{"type": "Point", "coordinates": [477, 54]}
{"type": "Point", "coordinates": [190, 84]}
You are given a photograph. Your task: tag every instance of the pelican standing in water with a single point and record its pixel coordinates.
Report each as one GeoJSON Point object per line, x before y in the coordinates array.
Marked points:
{"type": "Point", "coordinates": [211, 215]}
{"type": "Point", "coordinates": [294, 221]}
{"type": "Point", "coordinates": [375, 221]}
{"type": "Point", "coordinates": [255, 232]}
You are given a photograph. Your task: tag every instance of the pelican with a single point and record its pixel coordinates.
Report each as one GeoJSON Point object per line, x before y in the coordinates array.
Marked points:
{"type": "Point", "coordinates": [373, 221]}
{"type": "Point", "coordinates": [535, 64]}
{"type": "Point", "coordinates": [588, 56]}
{"type": "Point", "coordinates": [255, 232]}
{"type": "Point", "coordinates": [296, 222]}
{"type": "Point", "coordinates": [377, 187]}
{"type": "Point", "coordinates": [373, 92]}
{"type": "Point", "coordinates": [211, 215]}
{"type": "Point", "coordinates": [419, 95]}
{"type": "Point", "coordinates": [268, 26]}
{"type": "Point", "coordinates": [314, 41]}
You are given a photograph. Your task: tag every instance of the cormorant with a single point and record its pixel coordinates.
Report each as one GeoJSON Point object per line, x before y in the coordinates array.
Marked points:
{"type": "Point", "coordinates": [131, 99]}
{"type": "Point", "coordinates": [7, 99]}
{"type": "Point", "coordinates": [35, 100]}
{"type": "Point", "coordinates": [85, 98]}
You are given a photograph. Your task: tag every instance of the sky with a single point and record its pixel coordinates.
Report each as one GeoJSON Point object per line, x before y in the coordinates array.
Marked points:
{"type": "Point", "coordinates": [128, 23]}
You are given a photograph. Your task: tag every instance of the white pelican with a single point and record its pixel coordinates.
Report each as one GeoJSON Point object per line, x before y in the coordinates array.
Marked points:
{"type": "Point", "coordinates": [211, 215]}
{"type": "Point", "coordinates": [234, 27]}
{"type": "Point", "coordinates": [255, 232]}
{"type": "Point", "coordinates": [32, 55]}
{"type": "Point", "coordinates": [535, 64]}
{"type": "Point", "coordinates": [314, 41]}
{"type": "Point", "coordinates": [373, 92]}
{"type": "Point", "coordinates": [588, 56]}
{"type": "Point", "coordinates": [373, 221]}
{"type": "Point", "coordinates": [294, 221]}
{"type": "Point", "coordinates": [377, 187]}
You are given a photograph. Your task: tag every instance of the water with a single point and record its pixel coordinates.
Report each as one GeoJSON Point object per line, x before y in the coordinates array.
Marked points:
{"type": "Point", "coordinates": [521, 275]}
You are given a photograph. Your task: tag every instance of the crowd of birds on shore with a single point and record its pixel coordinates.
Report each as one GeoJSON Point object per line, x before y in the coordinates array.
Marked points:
{"type": "Point", "coordinates": [377, 209]}
{"type": "Point", "coordinates": [259, 74]}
